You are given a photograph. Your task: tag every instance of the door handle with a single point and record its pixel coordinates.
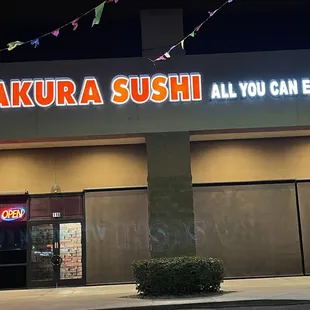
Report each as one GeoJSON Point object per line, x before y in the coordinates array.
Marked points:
{"type": "Point", "coordinates": [56, 260]}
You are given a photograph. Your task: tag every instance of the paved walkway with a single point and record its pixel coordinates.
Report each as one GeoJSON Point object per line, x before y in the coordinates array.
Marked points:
{"type": "Point", "coordinates": [106, 297]}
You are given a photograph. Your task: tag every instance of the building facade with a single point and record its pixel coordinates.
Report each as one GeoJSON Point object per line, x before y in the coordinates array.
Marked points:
{"type": "Point", "coordinates": [104, 162]}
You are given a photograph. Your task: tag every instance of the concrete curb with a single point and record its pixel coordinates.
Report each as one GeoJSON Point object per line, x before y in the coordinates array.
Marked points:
{"type": "Point", "coordinates": [218, 305]}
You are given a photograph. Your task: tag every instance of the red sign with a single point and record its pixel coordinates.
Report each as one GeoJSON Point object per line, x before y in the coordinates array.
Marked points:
{"type": "Point", "coordinates": [16, 213]}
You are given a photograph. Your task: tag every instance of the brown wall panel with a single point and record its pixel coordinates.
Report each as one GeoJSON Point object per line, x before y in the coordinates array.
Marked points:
{"type": "Point", "coordinates": [304, 205]}
{"type": "Point", "coordinates": [252, 228]}
{"type": "Point", "coordinates": [68, 206]}
{"type": "Point", "coordinates": [117, 233]}
{"type": "Point", "coordinates": [73, 169]}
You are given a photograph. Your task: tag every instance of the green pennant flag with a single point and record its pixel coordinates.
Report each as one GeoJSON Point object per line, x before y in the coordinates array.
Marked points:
{"type": "Point", "coordinates": [98, 13]}
{"type": "Point", "coordinates": [14, 44]}
{"type": "Point", "coordinates": [193, 34]}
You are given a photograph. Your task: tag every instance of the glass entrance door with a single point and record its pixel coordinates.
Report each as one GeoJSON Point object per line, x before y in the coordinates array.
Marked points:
{"type": "Point", "coordinates": [56, 256]}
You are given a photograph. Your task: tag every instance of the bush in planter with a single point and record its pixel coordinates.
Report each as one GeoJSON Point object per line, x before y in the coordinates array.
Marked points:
{"type": "Point", "coordinates": [178, 276]}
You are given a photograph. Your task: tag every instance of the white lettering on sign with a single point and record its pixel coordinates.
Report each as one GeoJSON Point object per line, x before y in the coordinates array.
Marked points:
{"type": "Point", "coordinates": [284, 88]}
{"type": "Point", "coordinates": [259, 89]}
{"type": "Point", "coordinates": [252, 89]}
{"type": "Point", "coordinates": [306, 86]}
{"type": "Point", "coordinates": [223, 92]}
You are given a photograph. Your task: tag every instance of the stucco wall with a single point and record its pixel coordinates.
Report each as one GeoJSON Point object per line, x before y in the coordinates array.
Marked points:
{"type": "Point", "coordinates": [250, 160]}
{"type": "Point", "coordinates": [73, 169]}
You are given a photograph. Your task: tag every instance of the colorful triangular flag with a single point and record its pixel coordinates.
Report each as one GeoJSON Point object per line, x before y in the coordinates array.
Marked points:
{"type": "Point", "coordinates": [160, 58]}
{"type": "Point", "coordinates": [35, 42]}
{"type": "Point", "coordinates": [182, 44]}
{"type": "Point", "coordinates": [167, 55]}
{"type": "Point", "coordinates": [55, 32]}
{"type": "Point", "coordinates": [14, 44]}
{"type": "Point", "coordinates": [75, 24]}
{"type": "Point", "coordinates": [198, 27]}
{"type": "Point", "coordinates": [98, 13]}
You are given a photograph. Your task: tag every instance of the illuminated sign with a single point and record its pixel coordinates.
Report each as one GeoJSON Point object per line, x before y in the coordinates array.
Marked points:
{"type": "Point", "coordinates": [158, 88]}
{"type": "Point", "coordinates": [260, 89]}
{"type": "Point", "coordinates": [48, 92]}
{"type": "Point", "coordinates": [29, 93]}
{"type": "Point", "coordinates": [13, 214]}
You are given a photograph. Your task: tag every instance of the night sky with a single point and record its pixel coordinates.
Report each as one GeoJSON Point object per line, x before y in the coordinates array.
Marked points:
{"type": "Point", "coordinates": [242, 26]}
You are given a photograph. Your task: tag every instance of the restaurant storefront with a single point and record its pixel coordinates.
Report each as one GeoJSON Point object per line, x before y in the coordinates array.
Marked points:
{"type": "Point", "coordinates": [122, 160]}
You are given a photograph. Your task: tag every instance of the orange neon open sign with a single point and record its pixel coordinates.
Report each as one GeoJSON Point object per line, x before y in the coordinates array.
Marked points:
{"type": "Point", "coordinates": [13, 214]}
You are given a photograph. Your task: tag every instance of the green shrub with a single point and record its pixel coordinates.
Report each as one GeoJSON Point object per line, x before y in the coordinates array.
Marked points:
{"type": "Point", "coordinates": [178, 276]}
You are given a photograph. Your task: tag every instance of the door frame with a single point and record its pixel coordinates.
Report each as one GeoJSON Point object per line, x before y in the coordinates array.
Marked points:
{"type": "Point", "coordinates": [56, 280]}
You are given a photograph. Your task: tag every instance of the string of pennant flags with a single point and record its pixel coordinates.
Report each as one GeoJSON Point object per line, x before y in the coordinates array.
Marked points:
{"type": "Point", "coordinates": [181, 43]}
{"type": "Point", "coordinates": [96, 21]}
{"type": "Point", "coordinates": [74, 24]}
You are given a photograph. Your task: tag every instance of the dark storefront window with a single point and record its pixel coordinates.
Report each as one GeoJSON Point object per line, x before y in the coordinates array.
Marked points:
{"type": "Point", "coordinates": [13, 233]}
{"type": "Point", "coordinates": [12, 238]}
{"type": "Point", "coordinates": [13, 242]}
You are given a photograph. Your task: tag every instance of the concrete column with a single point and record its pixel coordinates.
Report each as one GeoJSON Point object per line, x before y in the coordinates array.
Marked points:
{"type": "Point", "coordinates": [160, 30]}
{"type": "Point", "coordinates": [170, 195]}
{"type": "Point", "coordinates": [170, 191]}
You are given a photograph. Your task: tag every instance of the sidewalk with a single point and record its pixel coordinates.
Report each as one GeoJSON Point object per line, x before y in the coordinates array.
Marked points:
{"type": "Point", "coordinates": [108, 297]}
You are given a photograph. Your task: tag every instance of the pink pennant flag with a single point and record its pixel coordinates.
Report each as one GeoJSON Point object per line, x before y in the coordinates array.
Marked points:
{"type": "Point", "coordinates": [160, 58]}
{"type": "Point", "coordinates": [212, 13]}
{"type": "Point", "coordinates": [198, 27]}
{"type": "Point", "coordinates": [75, 24]}
{"type": "Point", "coordinates": [55, 32]}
